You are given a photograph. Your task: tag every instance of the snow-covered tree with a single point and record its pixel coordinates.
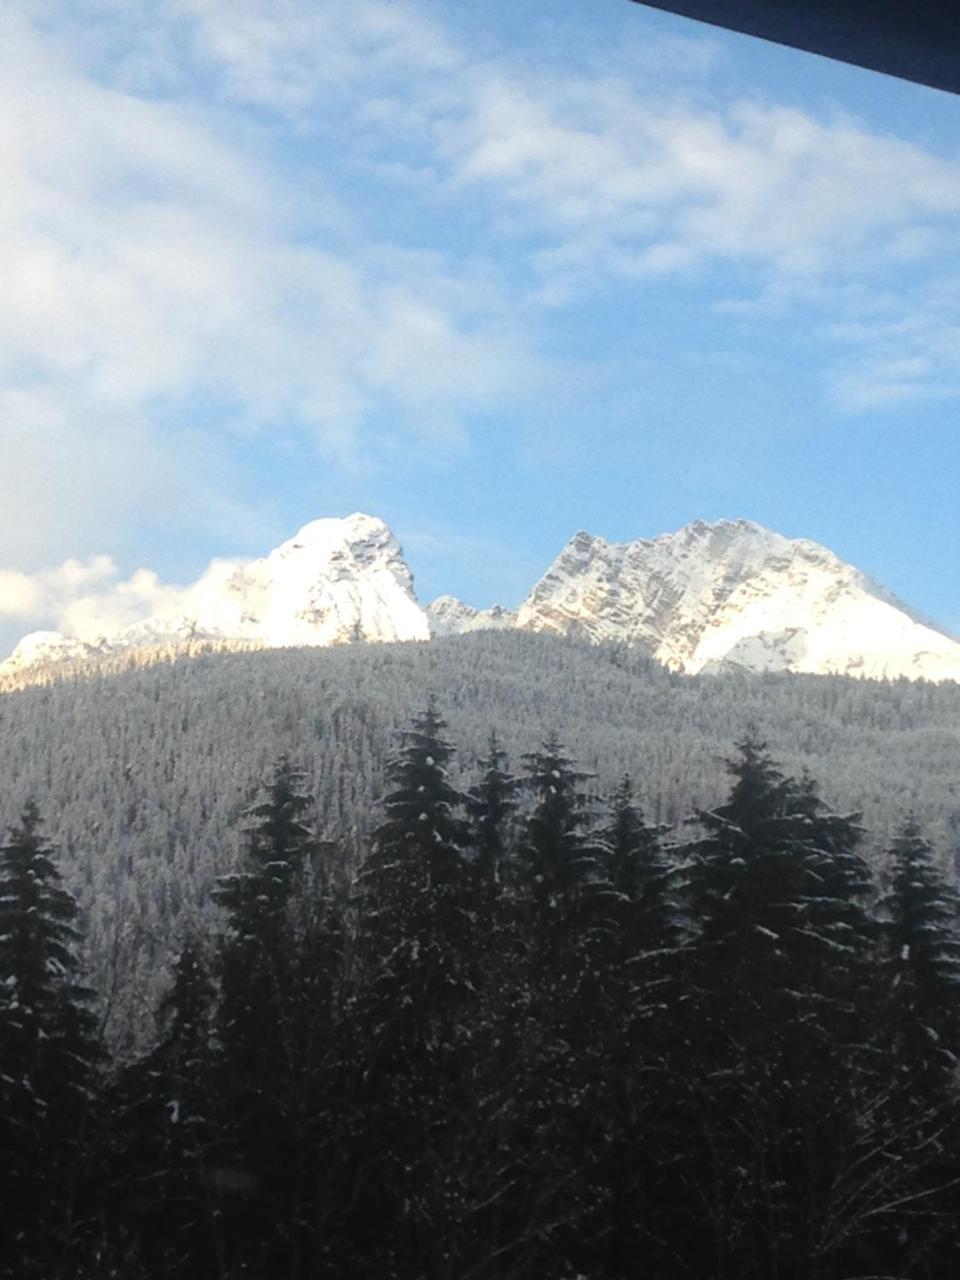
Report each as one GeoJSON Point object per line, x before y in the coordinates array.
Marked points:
{"type": "Point", "coordinates": [416, 959]}
{"type": "Point", "coordinates": [921, 939]}
{"type": "Point", "coordinates": [556, 915]}
{"type": "Point", "coordinates": [628, 1054]}
{"type": "Point", "coordinates": [773, 1027]}
{"type": "Point", "coordinates": [162, 1122]}
{"type": "Point", "coordinates": [49, 1054]}
{"type": "Point", "coordinates": [491, 804]}
{"type": "Point", "coordinates": [256, 953]}
{"type": "Point", "coordinates": [256, 1021]}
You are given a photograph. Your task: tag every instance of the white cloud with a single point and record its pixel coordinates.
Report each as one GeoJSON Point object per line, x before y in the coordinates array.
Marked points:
{"type": "Point", "coordinates": [898, 346]}
{"type": "Point", "coordinates": [598, 176]}
{"type": "Point", "coordinates": [47, 593]}
{"type": "Point", "coordinates": [151, 263]}
{"type": "Point", "coordinates": [90, 599]}
{"type": "Point", "coordinates": [749, 181]}
{"type": "Point", "coordinates": [286, 53]}
{"type": "Point", "coordinates": [122, 603]}
{"type": "Point", "coordinates": [156, 255]}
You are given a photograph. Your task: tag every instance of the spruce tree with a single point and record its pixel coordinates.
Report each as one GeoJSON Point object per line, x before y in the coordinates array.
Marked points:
{"type": "Point", "coordinates": [921, 956]}
{"type": "Point", "coordinates": [416, 959]}
{"type": "Point", "coordinates": [491, 805]}
{"type": "Point", "coordinates": [49, 1055]}
{"type": "Point", "coordinates": [255, 1020]}
{"type": "Point", "coordinates": [163, 1122]}
{"type": "Point", "coordinates": [636, 998]}
{"type": "Point", "coordinates": [776, 967]}
{"type": "Point", "coordinates": [560, 887]}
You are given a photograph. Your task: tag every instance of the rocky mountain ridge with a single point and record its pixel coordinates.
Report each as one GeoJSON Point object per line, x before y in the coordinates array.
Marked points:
{"type": "Point", "coordinates": [730, 593]}
{"type": "Point", "coordinates": [735, 593]}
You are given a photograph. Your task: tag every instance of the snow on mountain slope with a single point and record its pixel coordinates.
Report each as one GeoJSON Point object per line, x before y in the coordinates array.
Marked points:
{"type": "Point", "coordinates": [334, 581]}
{"type": "Point", "coordinates": [729, 593]}
{"type": "Point", "coordinates": [337, 580]}
{"type": "Point", "coordinates": [451, 617]}
{"type": "Point", "coordinates": [734, 592]}
{"type": "Point", "coordinates": [42, 647]}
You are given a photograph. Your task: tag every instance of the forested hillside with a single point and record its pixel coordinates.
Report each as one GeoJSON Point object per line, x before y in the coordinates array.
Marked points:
{"type": "Point", "coordinates": [141, 773]}
{"type": "Point", "coordinates": [533, 1037]}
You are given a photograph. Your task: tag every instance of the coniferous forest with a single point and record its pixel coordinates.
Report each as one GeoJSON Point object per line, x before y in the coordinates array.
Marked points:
{"type": "Point", "coordinates": [143, 772]}
{"type": "Point", "coordinates": [530, 1034]}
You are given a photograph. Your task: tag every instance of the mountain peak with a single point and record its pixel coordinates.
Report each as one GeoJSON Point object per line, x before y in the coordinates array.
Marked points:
{"type": "Point", "coordinates": [327, 531]}
{"type": "Point", "coordinates": [45, 647]}
{"type": "Point", "coordinates": [449, 616]}
{"type": "Point", "coordinates": [708, 595]}
{"type": "Point", "coordinates": [732, 592]}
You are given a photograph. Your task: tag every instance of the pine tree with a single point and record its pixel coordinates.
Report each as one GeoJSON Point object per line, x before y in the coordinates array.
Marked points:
{"type": "Point", "coordinates": [776, 975]}
{"type": "Point", "coordinates": [498, 1022]}
{"type": "Point", "coordinates": [49, 1055]}
{"type": "Point", "coordinates": [256, 954]}
{"type": "Point", "coordinates": [641, 911]}
{"type": "Point", "coordinates": [559, 890]}
{"type": "Point", "coordinates": [921, 939]}
{"type": "Point", "coordinates": [639, 954]}
{"type": "Point", "coordinates": [416, 965]}
{"type": "Point", "coordinates": [491, 805]}
{"type": "Point", "coordinates": [907, 1167]}
{"type": "Point", "coordinates": [255, 1020]}
{"type": "Point", "coordinates": [560, 862]}
{"type": "Point", "coordinates": [838, 929]}
{"type": "Point", "coordinates": [321, 1081]}
{"type": "Point", "coordinates": [163, 1117]}
{"type": "Point", "coordinates": [742, 880]}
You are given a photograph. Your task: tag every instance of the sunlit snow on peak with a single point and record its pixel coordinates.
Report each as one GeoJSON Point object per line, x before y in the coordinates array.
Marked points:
{"type": "Point", "coordinates": [707, 596]}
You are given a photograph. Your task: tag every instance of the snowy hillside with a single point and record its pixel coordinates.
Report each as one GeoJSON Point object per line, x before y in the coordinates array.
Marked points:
{"type": "Point", "coordinates": [143, 774]}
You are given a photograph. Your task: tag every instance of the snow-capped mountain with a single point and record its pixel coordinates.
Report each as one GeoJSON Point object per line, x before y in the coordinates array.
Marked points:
{"type": "Point", "coordinates": [451, 617]}
{"type": "Point", "coordinates": [735, 593]}
{"type": "Point", "coordinates": [707, 596]}
{"type": "Point", "coordinates": [337, 580]}
{"type": "Point", "coordinates": [47, 647]}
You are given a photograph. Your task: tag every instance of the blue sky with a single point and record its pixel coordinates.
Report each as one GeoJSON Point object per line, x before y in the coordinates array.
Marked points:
{"type": "Point", "coordinates": [493, 272]}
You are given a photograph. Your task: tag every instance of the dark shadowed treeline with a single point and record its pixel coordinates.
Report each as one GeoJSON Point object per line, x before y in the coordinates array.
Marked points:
{"type": "Point", "coordinates": [532, 1035]}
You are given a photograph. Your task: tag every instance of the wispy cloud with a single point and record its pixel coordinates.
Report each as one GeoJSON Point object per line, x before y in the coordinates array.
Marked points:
{"type": "Point", "coordinates": [599, 163]}
{"type": "Point", "coordinates": [91, 599]}
{"type": "Point", "coordinates": [151, 264]}
{"type": "Point", "coordinates": [174, 284]}
{"type": "Point", "coordinates": [607, 176]}
{"type": "Point", "coordinates": [44, 594]}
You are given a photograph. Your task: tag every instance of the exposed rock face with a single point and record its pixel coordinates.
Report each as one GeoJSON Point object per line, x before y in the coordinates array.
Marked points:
{"type": "Point", "coordinates": [734, 592]}
{"type": "Point", "coordinates": [709, 595]}
{"type": "Point", "coordinates": [336, 581]}
{"type": "Point", "coordinates": [451, 617]}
